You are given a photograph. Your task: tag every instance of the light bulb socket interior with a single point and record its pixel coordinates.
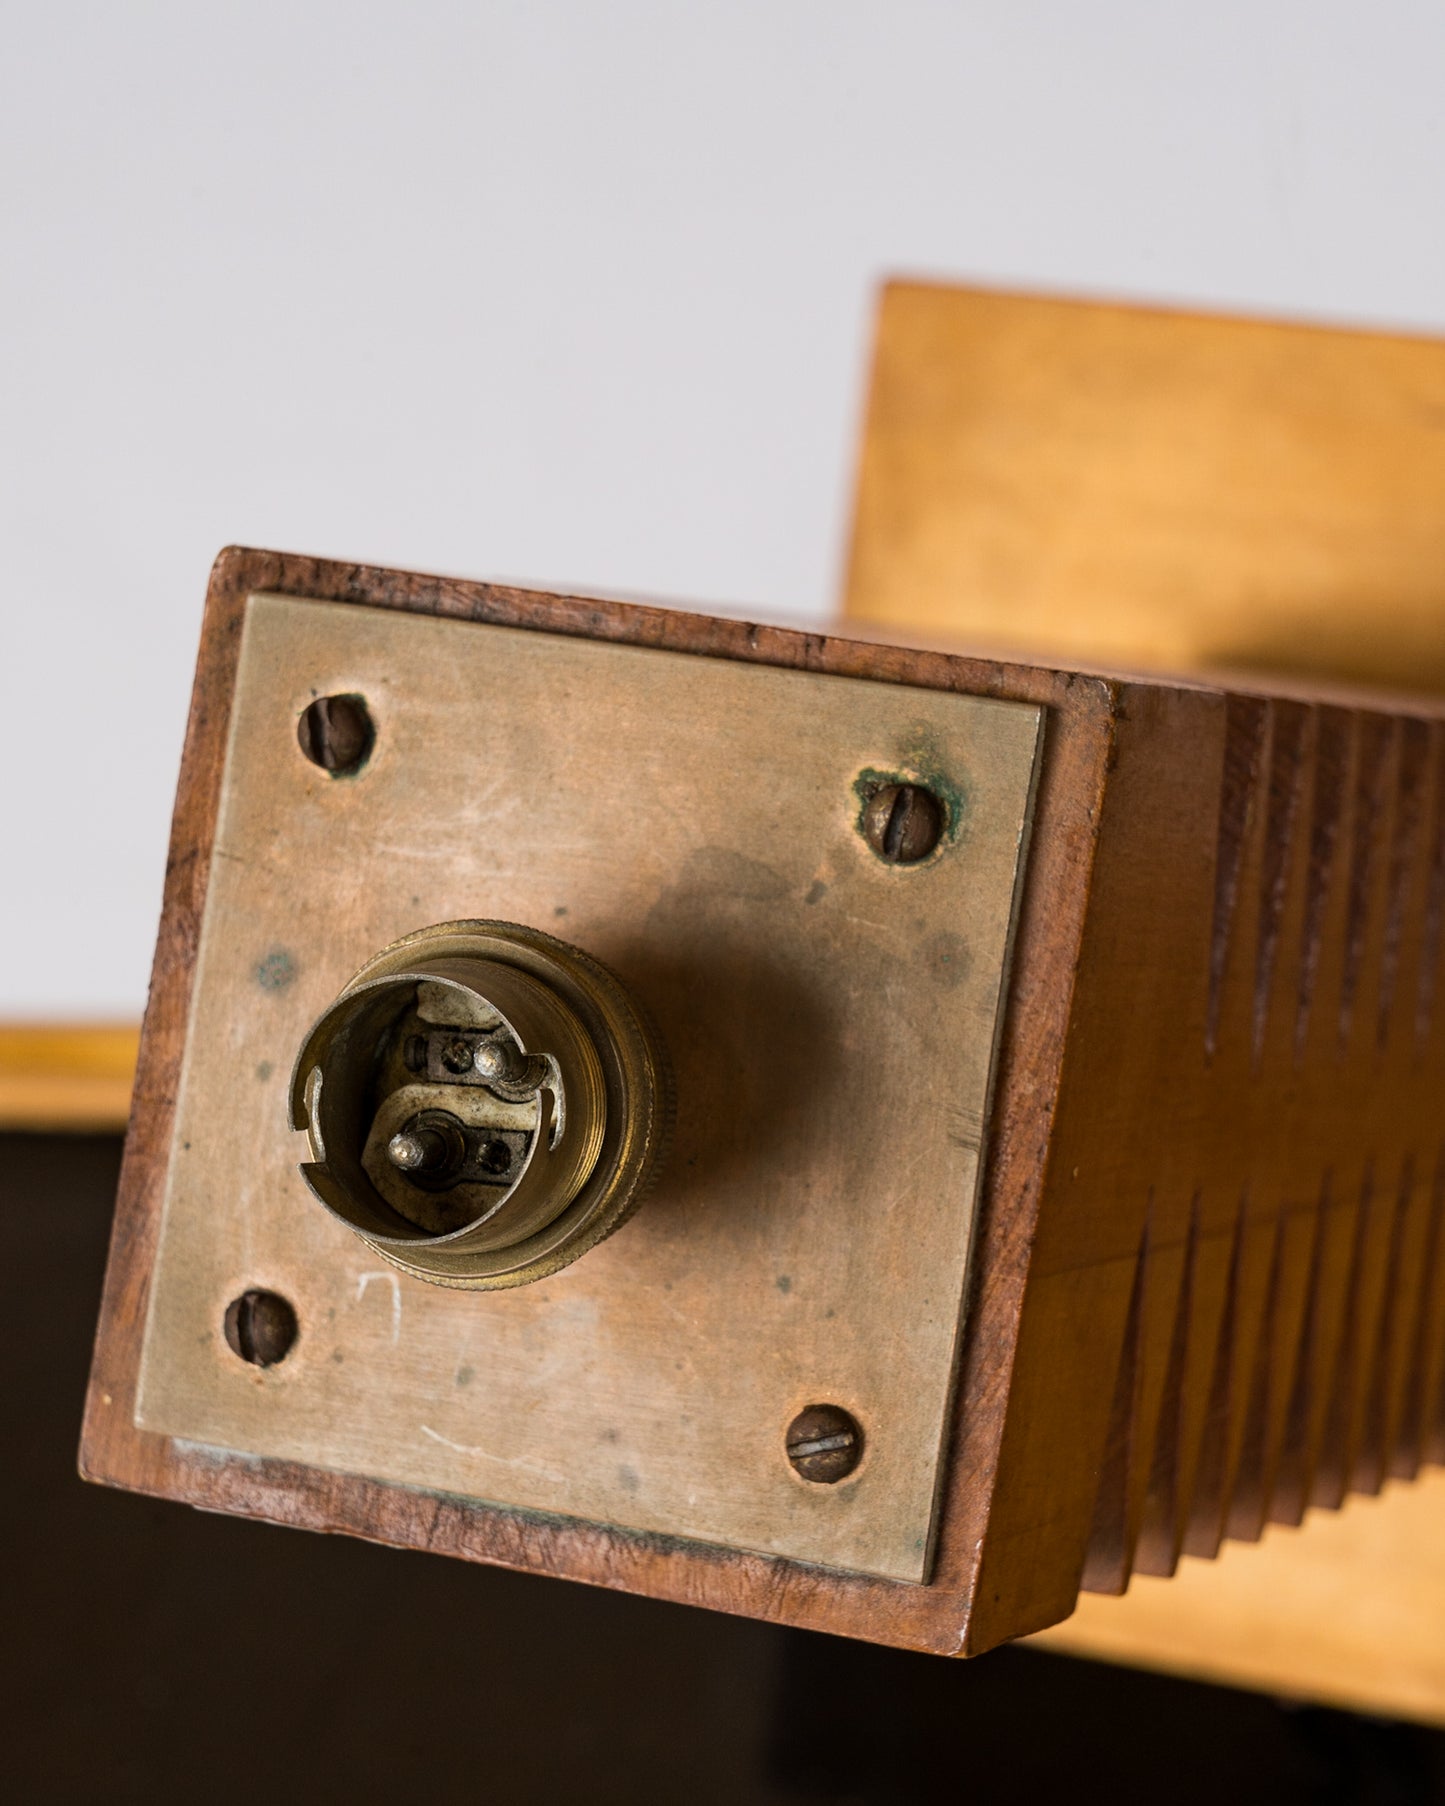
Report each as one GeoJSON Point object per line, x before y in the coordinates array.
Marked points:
{"type": "Point", "coordinates": [483, 1103]}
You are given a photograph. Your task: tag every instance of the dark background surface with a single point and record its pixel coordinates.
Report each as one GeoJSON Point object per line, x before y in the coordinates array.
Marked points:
{"type": "Point", "coordinates": [154, 1653]}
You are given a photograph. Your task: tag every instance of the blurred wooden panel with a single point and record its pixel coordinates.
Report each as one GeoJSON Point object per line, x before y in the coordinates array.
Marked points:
{"type": "Point", "coordinates": [1149, 490]}
{"type": "Point", "coordinates": [1154, 490]}
{"type": "Point", "coordinates": [1346, 1611]}
{"type": "Point", "coordinates": [67, 1076]}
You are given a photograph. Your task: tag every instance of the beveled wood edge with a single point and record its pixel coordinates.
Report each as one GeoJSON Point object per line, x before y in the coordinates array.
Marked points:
{"type": "Point", "coordinates": [934, 1617]}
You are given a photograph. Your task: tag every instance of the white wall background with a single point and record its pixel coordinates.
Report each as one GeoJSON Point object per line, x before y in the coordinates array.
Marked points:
{"type": "Point", "coordinates": [572, 293]}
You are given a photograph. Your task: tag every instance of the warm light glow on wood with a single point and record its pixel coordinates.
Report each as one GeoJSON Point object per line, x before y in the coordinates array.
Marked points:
{"type": "Point", "coordinates": [74, 1076]}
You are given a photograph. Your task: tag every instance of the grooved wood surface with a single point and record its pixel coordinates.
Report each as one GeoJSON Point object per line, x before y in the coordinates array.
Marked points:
{"type": "Point", "coordinates": [1344, 1612]}
{"type": "Point", "coordinates": [1284, 1340]}
{"type": "Point", "coordinates": [1149, 488]}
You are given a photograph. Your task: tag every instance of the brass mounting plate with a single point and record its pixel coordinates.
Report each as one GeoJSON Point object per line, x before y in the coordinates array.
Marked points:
{"type": "Point", "coordinates": [832, 1021]}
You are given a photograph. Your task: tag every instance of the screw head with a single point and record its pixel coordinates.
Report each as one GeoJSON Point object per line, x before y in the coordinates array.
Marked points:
{"type": "Point", "coordinates": [495, 1158]}
{"type": "Point", "coordinates": [457, 1056]}
{"type": "Point", "coordinates": [260, 1327]}
{"type": "Point", "coordinates": [335, 732]}
{"type": "Point", "coordinates": [902, 823]}
{"type": "Point", "coordinates": [824, 1443]}
{"type": "Point", "coordinates": [495, 1060]}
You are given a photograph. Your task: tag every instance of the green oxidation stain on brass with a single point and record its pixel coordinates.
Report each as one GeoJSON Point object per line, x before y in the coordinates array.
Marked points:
{"type": "Point", "coordinates": [276, 971]}
{"type": "Point", "coordinates": [919, 766]}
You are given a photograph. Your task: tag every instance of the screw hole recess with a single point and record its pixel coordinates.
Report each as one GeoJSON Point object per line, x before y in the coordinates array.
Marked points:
{"type": "Point", "coordinates": [903, 823]}
{"type": "Point", "coordinates": [260, 1328]}
{"type": "Point", "coordinates": [336, 733]}
{"type": "Point", "coordinates": [825, 1444]}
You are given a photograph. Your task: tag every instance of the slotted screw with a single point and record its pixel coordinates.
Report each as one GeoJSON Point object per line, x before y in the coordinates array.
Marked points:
{"type": "Point", "coordinates": [903, 823]}
{"type": "Point", "coordinates": [260, 1327]}
{"type": "Point", "coordinates": [335, 732]}
{"type": "Point", "coordinates": [825, 1444]}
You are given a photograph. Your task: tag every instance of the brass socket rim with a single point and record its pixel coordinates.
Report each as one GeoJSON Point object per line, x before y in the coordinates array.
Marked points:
{"type": "Point", "coordinates": [637, 1109]}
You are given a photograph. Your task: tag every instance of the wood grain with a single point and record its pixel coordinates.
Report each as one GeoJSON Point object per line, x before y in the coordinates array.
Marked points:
{"type": "Point", "coordinates": [1234, 1207]}
{"type": "Point", "coordinates": [1130, 487]}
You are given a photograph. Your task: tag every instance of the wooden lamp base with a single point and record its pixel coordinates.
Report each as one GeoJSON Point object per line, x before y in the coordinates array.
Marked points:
{"type": "Point", "coordinates": [1204, 495]}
